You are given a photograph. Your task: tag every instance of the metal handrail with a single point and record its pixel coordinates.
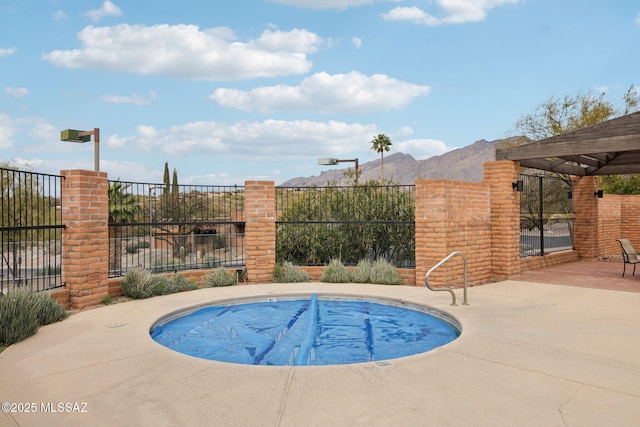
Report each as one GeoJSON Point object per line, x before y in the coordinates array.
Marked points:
{"type": "Point", "coordinates": [448, 289]}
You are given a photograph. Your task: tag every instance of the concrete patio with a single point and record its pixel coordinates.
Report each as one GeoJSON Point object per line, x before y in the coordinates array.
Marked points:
{"type": "Point", "coordinates": [530, 354]}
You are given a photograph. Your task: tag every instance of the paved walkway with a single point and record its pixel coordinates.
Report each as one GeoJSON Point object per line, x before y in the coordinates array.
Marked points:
{"type": "Point", "coordinates": [530, 354]}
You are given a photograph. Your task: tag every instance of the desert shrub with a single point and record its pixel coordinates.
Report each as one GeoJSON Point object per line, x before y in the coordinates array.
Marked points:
{"type": "Point", "coordinates": [47, 310]}
{"type": "Point", "coordinates": [52, 270]}
{"type": "Point", "coordinates": [132, 247]}
{"type": "Point", "coordinates": [168, 264]}
{"type": "Point", "coordinates": [335, 272]}
{"type": "Point", "coordinates": [220, 277]}
{"type": "Point", "coordinates": [178, 283]}
{"type": "Point", "coordinates": [209, 260]}
{"type": "Point", "coordinates": [22, 312]}
{"type": "Point", "coordinates": [141, 283]}
{"type": "Point", "coordinates": [289, 273]}
{"type": "Point", "coordinates": [384, 273]}
{"type": "Point", "coordinates": [362, 272]}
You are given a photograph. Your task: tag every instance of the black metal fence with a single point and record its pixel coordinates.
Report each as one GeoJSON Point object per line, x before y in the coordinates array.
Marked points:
{"type": "Point", "coordinates": [317, 224]}
{"type": "Point", "coordinates": [30, 232]}
{"type": "Point", "coordinates": [546, 215]}
{"type": "Point", "coordinates": [170, 228]}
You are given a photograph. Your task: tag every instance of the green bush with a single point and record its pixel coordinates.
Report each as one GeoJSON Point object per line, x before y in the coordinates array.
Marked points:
{"type": "Point", "coordinates": [51, 270]}
{"type": "Point", "coordinates": [209, 260]}
{"type": "Point", "coordinates": [384, 273]}
{"type": "Point", "coordinates": [362, 272]}
{"type": "Point", "coordinates": [132, 247]}
{"type": "Point", "coordinates": [289, 273]}
{"type": "Point", "coordinates": [22, 312]}
{"type": "Point", "coordinates": [178, 283]}
{"type": "Point", "coordinates": [335, 272]}
{"type": "Point", "coordinates": [140, 284]}
{"type": "Point", "coordinates": [168, 264]}
{"type": "Point", "coordinates": [220, 277]}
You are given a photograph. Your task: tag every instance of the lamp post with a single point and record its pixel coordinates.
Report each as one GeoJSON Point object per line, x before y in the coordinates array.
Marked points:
{"type": "Point", "coordinates": [329, 161]}
{"type": "Point", "coordinates": [73, 135]}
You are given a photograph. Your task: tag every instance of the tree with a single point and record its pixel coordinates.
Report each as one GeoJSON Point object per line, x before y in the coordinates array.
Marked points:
{"type": "Point", "coordinates": [122, 209]}
{"type": "Point", "coordinates": [368, 221]}
{"type": "Point", "coordinates": [26, 214]}
{"type": "Point", "coordinates": [165, 179]}
{"type": "Point", "coordinates": [557, 116]}
{"type": "Point", "coordinates": [174, 186]}
{"type": "Point", "coordinates": [381, 143]}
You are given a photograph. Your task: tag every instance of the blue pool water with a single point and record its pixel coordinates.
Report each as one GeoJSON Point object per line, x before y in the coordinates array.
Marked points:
{"type": "Point", "coordinates": [304, 332]}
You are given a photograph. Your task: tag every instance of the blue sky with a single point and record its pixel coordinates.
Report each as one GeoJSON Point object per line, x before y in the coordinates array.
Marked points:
{"type": "Point", "coordinates": [260, 89]}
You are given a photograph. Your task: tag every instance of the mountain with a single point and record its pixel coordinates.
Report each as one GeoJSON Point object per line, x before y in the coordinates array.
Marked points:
{"type": "Point", "coordinates": [463, 164]}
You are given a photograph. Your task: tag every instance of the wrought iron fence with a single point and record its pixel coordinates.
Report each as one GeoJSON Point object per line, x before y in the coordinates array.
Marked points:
{"type": "Point", "coordinates": [317, 224]}
{"type": "Point", "coordinates": [170, 228]}
{"type": "Point", "coordinates": [30, 233]}
{"type": "Point", "coordinates": [546, 215]}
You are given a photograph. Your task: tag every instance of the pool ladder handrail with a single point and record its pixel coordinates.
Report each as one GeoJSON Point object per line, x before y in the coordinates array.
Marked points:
{"type": "Point", "coordinates": [446, 288]}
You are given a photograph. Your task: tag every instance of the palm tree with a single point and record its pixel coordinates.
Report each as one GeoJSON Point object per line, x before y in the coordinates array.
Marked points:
{"type": "Point", "coordinates": [122, 209]}
{"type": "Point", "coordinates": [381, 143]}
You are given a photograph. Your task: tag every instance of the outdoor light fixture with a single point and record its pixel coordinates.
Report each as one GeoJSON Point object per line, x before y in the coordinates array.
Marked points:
{"type": "Point", "coordinates": [518, 185]}
{"type": "Point", "coordinates": [599, 194]}
{"type": "Point", "coordinates": [73, 135]}
{"type": "Point", "coordinates": [329, 161]}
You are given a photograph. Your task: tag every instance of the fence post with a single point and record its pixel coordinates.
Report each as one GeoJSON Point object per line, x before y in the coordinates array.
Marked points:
{"type": "Point", "coordinates": [85, 240]}
{"type": "Point", "coordinates": [260, 230]}
{"type": "Point", "coordinates": [505, 218]}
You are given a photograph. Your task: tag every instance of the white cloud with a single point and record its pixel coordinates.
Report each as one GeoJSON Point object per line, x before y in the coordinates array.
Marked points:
{"type": "Point", "coordinates": [249, 140]}
{"type": "Point", "coordinates": [324, 4]}
{"type": "Point", "coordinates": [16, 92]}
{"type": "Point", "coordinates": [324, 92]}
{"type": "Point", "coordinates": [637, 21]}
{"type": "Point", "coordinates": [8, 129]}
{"type": "Point", "coordinates": [134, 99]}
{"type": "Point", "coordinates": [454, 12]}
{"type": "Point", "coordinates": [7, 51]}
{"type": "Point", "coordinates": [186, 51]}
{"type": "Point", "coordinates": [59, 15]}
{"type": "Point", "coordinates": [107, 9]}
{"type": "Point", "coordinates": [421, 148]}
{"type": "Point", "coordinates": [357, 42]}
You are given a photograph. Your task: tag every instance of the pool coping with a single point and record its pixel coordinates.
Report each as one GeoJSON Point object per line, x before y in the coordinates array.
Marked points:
{"type": "Point", "coordinates": [512, 364]}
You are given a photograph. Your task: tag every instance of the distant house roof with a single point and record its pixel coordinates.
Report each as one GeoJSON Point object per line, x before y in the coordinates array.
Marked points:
{"type": "Point", "coordinates": [607, 148]}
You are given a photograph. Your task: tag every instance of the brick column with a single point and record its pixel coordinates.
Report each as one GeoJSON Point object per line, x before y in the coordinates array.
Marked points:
{"type": "Point", "coordinates": [260, 231]}
{"type": "Point", "coordinates": [505, 218]}
{"type": "Point", "coordinates": [585, 219]}
{"type": "Point", "coordinates": [85, 240]}
{"type": "Point", "coordinates": [431, 229]}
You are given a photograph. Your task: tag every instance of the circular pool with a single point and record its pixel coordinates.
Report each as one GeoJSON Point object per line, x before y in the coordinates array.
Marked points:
{"type": "Point", "coordinates": [309, 331]}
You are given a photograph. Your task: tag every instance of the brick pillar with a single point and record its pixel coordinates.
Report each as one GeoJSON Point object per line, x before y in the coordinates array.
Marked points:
{"type": "Point", "coordinates": [585, 219]}
{"type": "Point", "coordinates": [505, 218]}
{"type": "Point", "coordinates": [431, 229]}
{"type": "Point", "coordinates": [260, 231]}
{"type": "Point", "coordinates": [85, 240]}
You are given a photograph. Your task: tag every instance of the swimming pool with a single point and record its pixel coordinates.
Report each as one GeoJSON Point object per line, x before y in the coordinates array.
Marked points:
{"type": "Point", "coordinates": [309, 331]}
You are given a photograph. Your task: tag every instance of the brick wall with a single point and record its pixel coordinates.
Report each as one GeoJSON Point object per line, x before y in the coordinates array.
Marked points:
{"type": "Point", "coordinates": [453, 216]}
{"type": "Point", "coordinates": [609, 225]}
